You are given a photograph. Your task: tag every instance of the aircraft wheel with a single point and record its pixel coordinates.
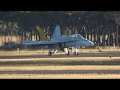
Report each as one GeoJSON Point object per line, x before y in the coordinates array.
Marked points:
{"type": "Point", "coordinates": [68, 53]}
{"type": "Point", "coordinates": [75, 53]}
{"type": "Point", "coordinates": [49, 53]}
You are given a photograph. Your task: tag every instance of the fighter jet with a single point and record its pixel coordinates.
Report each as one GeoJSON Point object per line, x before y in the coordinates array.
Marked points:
{"type": "Point", "coordinates": [59, 42]}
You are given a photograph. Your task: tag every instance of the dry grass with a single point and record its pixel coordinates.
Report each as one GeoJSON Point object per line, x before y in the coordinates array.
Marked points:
{"type": "Point", "coordinates": [83, 67]}
{"type": "Point", "coordinates": [64, 59]}
{"type": "Point", "coordinates": [60, 76]}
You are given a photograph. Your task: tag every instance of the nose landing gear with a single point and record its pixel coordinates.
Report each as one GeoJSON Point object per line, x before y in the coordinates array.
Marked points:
{"type": "Point", "coordinates": [49, 53]}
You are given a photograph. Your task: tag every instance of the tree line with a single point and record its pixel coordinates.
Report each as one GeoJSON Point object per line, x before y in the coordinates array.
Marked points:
{"type": "Point", "coordinates": [102, 27]}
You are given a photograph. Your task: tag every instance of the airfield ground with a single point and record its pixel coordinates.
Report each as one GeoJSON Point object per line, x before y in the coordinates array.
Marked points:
{"type": "Point", "coordinates": [89, 64]}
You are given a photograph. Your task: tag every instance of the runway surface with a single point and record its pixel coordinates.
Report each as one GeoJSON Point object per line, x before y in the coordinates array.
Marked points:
{"type": "Point", "coordinates": [61, 72]}
{"type": "Point", "coordinates": [100, 54]}
{"type": "Point", "coordinates": [64, 71]}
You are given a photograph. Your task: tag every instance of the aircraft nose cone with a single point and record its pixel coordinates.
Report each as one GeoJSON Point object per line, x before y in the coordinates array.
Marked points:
{"type": "Point", "coordinates": [87, 43]}
{"type": "Point", "coordinates": [90, 43]}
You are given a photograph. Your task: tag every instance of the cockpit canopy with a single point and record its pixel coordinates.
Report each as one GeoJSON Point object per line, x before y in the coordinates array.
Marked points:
{"type": "Point", "coordinates": [77, 35]}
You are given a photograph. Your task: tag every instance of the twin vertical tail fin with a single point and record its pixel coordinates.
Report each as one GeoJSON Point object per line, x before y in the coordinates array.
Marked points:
{"type": "Point", "coordinates": [57, 33]}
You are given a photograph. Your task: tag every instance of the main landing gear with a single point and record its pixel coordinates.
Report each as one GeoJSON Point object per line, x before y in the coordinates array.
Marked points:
{"type": "Point", "coordinates": [75, 51]}
{"type": "Point", "coordinates": [68, 52]}
{"type": "Point", "coordinates": [49, 53]}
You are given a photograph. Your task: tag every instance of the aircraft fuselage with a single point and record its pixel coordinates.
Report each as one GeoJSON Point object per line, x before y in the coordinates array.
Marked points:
{"type": "Point", "coordinates": [75, 40]}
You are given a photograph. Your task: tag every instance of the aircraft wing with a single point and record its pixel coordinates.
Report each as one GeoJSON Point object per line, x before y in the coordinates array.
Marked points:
{"type": "Point", "coordinates": [27, 42]}
{"type": "Point", "coordinates": [51, 42]}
